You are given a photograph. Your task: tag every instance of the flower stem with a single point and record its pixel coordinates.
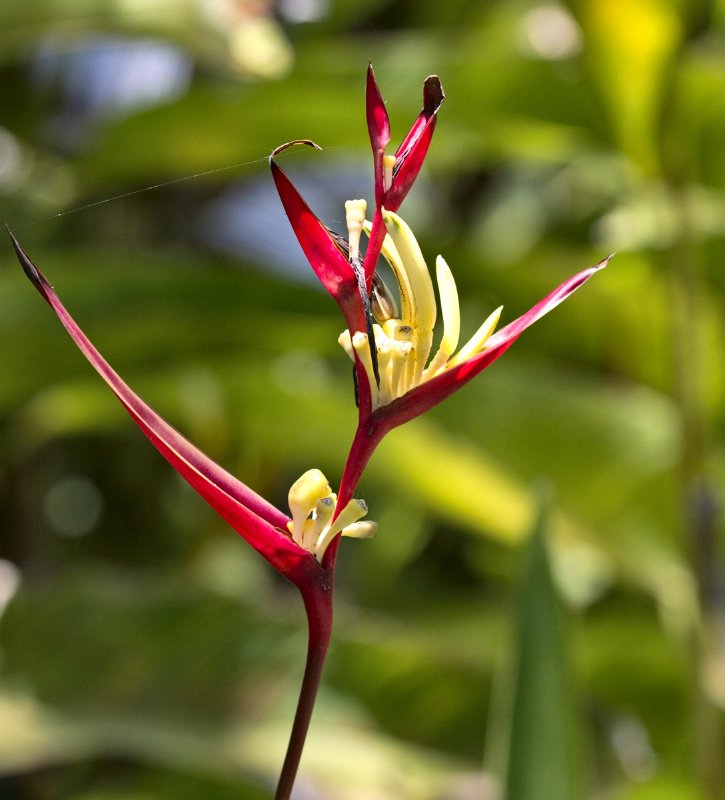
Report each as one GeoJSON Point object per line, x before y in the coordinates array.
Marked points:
{"type": "Point", "coordinates": [318, 605]}
{"type": "Point", "coordinates": [317, 597]}
{"type": "Point", "coordinates": [367, 438]}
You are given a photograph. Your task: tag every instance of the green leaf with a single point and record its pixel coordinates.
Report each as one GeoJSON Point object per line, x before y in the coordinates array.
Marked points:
{"type": "Point", "coordinates": [543, 757]}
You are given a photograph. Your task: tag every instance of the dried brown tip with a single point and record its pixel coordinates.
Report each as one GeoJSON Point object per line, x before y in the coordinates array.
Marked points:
{"type": "Point", "coordinates": [433, 94]}
{"type": "Point", "coordinates": [293, 143]}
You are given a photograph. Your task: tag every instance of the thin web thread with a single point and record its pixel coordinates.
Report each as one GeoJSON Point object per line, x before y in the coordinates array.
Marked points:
{"type": "Point", "coordinates": [140, 191]}
{"type": "Point", "coordinates": [150, 188]}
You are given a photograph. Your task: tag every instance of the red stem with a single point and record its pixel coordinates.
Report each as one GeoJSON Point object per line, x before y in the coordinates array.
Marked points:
{"type": "Point", "coordinates": [317, 596]}
{"type": "Point", "coordinates": [318, 605]}
{"type": "Point", "coordinates": [367, 437]}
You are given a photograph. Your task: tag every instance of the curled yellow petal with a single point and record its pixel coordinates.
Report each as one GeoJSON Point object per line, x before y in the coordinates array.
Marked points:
{"type": "Point", "coordinates": [477, 342]}
{"type": "Point", "coordinates": [360, 530]}
{"type": "Point", "coordinates": [391, 255]}
{"type": "Point", "coordinates": [352, 512]}
{"type": "Point", "coordinates": [415, 269]}
{"type": "Point", "coordinates": [451, 312]}
{"type": "Point", "coordinates": [421, 288]}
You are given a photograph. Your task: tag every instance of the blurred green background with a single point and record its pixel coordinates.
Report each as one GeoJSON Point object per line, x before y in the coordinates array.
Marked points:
{"type": "Point", "coordinates": [145, 652]}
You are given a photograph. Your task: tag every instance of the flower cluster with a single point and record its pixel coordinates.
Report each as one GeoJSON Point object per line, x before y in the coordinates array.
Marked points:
{"type": "Point", "coordinates": [396, 380]}
{"type": "Point", "coordinates": [315, 521]}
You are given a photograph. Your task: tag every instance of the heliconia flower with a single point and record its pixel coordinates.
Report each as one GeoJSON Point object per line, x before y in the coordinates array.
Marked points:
{"type": "Point", "coordinates": [315, 521]}
{"type": "Point", "coordinates": [294, 545]}
{"type": "Point", "coordinates": [396, 378]}
{"type": "Point", "coordinates": [302, 547]}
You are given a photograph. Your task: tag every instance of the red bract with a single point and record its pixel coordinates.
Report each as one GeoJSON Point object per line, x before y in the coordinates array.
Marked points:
{"type": "Point", "coordinates": [330, 264]}
{"type": "Point", "coordinates": [395, 174]}
{"type": "Point", "coordinates": [258, 522]}
{"type": "Point", "coordinates": [392, 187]}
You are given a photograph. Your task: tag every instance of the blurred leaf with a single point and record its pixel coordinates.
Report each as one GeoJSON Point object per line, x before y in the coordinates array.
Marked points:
{"type": "Point", "coordinates": [663, 788]}
{"type": "Point", "coordinates": [631, 47]}
{"type": "Point", "coordinates": [543, 756]}
{"type": "Point", "coordinates": [99, 644]}
{"type": "Point", "coordinates": [239, 37]}
{"type": "Point", "coordinates": [457, 480]}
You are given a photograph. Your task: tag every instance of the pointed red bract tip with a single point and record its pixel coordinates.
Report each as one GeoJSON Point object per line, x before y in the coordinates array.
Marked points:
{"type": "Point", "coordinates": [319, 245]}
{"type": "Point", "coordinates": [433, 94]}
{"type": "Point", "coordinates": [377, 115]}
{"type": "Point", "coordinates": [413, 149]}
{"type": "Point", "coordinates": [30, 270]}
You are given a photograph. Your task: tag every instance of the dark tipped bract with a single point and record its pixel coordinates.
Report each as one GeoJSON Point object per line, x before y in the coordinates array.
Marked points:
{"type": "Point", "coordinates": [28, 267]}
{"type": "Point", "coordinates": [433, 94]}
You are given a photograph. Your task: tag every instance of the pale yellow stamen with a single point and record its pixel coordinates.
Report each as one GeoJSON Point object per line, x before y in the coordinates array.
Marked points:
{"type": "Point", "coordinates": [402, 358]}
{"type": "Point", "coordinates": [477, 342]}
{"type": "Point", "coordinates": [383, 345]}
{"type": "Point", "coordinates": [388, 165]}
{"type": "Point", "coordinates": [355, 217]}
{"type": "Point", "coordinates": [324, 509]}
{"type": "Point", "coordinates": [361, 530]}
{"type": "Point", "coordinates": [345, 341]}
{"type": "Point", "coordinates": [352, 512]}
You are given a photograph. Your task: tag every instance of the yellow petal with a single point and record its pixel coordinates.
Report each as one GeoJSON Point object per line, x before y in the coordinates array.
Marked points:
{"type": "Point", "coordinates": [361, 530]}
{"type": "Point", "coordinates": [477, 342]}
{"type": "Point", "coordinates": [352, 512]}
{"type": "Point", "coordinates": [391, 255]}
{"type": "Point", "coordinates": [421, 287]}
{"type": "Point", "coordinates": [451, 318]}
{"type": "Point", "coordinates": [303, 496]}
{"type": "Point", "coordinates": [449, 306]}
